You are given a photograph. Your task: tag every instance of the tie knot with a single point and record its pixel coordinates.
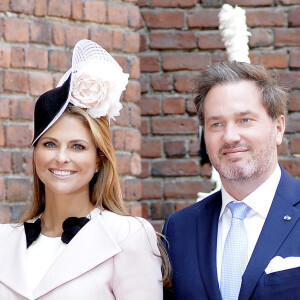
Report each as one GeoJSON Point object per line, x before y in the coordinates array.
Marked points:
{"type": "Point", "coordinates": [238, 210]}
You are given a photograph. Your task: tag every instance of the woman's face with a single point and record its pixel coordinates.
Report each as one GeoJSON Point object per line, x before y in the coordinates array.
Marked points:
{"type": "Point", "coordinates": [66, 157]}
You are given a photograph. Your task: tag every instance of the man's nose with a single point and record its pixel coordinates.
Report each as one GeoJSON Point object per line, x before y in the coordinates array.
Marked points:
{"type": "Point", "coordinates": [232, 134]}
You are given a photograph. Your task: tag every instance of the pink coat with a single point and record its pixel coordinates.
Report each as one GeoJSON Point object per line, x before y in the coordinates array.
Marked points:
{"type": "Point", "coordinates": [112, 257]}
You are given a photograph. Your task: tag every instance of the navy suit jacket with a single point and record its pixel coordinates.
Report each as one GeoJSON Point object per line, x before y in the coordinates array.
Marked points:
{"type": "Point", "coordinates": [192, 237]}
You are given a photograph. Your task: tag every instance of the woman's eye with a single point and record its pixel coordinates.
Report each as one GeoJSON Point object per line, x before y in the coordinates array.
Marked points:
{"type": "Point", "coordinates": [49, 145]}
{"type": "Point", "coordinates": [78, 147]}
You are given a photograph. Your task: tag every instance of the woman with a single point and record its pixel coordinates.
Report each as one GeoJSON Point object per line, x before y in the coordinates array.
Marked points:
{"type": "Point", "coordinates": [77, 241]}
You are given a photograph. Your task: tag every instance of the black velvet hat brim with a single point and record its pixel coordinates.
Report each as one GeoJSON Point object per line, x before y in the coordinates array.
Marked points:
{"type": "Point", "coordinates": [49, 107]}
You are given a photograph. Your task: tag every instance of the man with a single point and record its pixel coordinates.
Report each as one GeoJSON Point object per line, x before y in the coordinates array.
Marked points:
{"type": "Point", "coordinates": [216, 254]}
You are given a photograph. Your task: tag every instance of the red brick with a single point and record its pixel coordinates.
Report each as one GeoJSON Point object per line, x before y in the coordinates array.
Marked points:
{"type": "Point", "coordinates": [5, 213]}
{"type": "Point", "coordinates": [143, 42]}
{"type": "Point", "coordinates": [151, 147]}
{"type": "Point", "coordinates": [185, 61]}
{"type": "Point", "coordinates": [179, 206]}
{"type": "Point", "coordinates": [206, 170]}
{"type": "Point", "coordinates": [287, 37]}
{"type": "Point", "coordinates": [149, 63]}
{"type": "Point", "coordinates": [144, 81]}
{"type": "Point", "coordinates": [118, 39]}
{"type": "Point", "coordinates": [265, 17]}
{"type": "Point", "coordinates": [18, 136]}
{"type": "Point", "coordinates": [186, 189]}
{"type": "Point", "coordinates": [135, 164]}
{"type": "Point", "coordinates": [293, 123]}
{"type": "Point", "coordinates": [145, 169]}
{"type": "Point", "coordinates": [184, 83]}
{"type": "Point", "coordinates": [17, 57]}
{"type": "Point", "coordinates": [145, 211]}
{"type": "Point", "coordinates": [261, 38]}
{"type": "Point", "coordinates": [250, 2]}
{"type": "Point", "coordinates": [5, 56]}
{"type": "Point", "coordinates": [59, 60]}
{"type": "Point", "coordinates": [162, 82]}
{"type": "Point", "coordinates": [5, 162]}
{"type": "Point", "coordinates": [175, 148]}
{"type": "Point", "coordinates": [118, 138]}
{"type": "Point", "coordinates": [134, 209]}
{"type": "Point", "coordinates": [212, 3]}
{"type": "Point", "coordinates": [95, 11]}
{"type": "Point", "coordinates": [16, 30]}
{"type": "Point", "coordinates": [4, 108]}
{"type": "Point", "coordinates": [133, 189]}
{"type": "Point", "coordinates": [283, 148]}
{"type": "Point", "coordinates": [133, 92]}
{"type": "Point", "coordinates": [22, 109]}
{"type": "Point", "coordinates": [135, 116]}
{"type": "Point", "coordinates": [59, 34]}
{"type": "Point", "coordinates": [132, 140]}
{"type": "Point", "coordinates": [194, 147]}
{"type": "Point", "coordinates": [2, 189]}
{"type": "Point", "coordinates": [292, 165]}
{"type": "Point", "coordinates": [277, 60]}
{"type": "Point", "coordinates": [294, 59]}
{"type": "Point", "coordinates": [117, 14]}
{"type": "Point", "coordinates": [40, 83]}
{"type": "Point", "coordinates": [174, 105]}
{"type": "Point", "coordinates": [22, 6]}
{"type": "Point", "coordinates": [190, 106]}
{"type": "Point", "coordinates": [145, 127]}
{"type": "Point", "coordinates": [205, 18]}
{"type": "Point", "coordinates": [294, 19]}
{"type": "Point", "coordinates": [18, 190]}
{"type": "Point", "coordinates": [4, 6]}
{"type": "Point", "coordinates": [27, 163]}
{"type": "Point", "coordinates": [295, 145]}
{"type": "Point", "coordinates": [102, 37]}
{"type": "Point", "coordinates": [135, 68]}
{"type": "Point", "coordinates": [161, 210]}
{"type": "Point", "coordinates": [295, 101]}
{"type": "Point", "coordinates": [121, 60]}
{"type": "Point", "coordinates": [210, 40]}
{"type": "Point", "coordinates": [174, 167]}
{"type": "Point", "coordinates": [16, 162]}
{"type": "Point", "coordinates": [174, 3]}
{"type": "Point", "coordinates": [75, 34]}
{"type": "Point", "coordinates": [132, 42]}
{"type": "Point", "coordinates": [59, 8]}
{"type": "Point", "coordinates": [163, 19]}
{"type": "Point", "coordinates": [150, 106]}
{"type": "Point", "coordinates": [40, 32]}
{"type": "Point", "coordinates": [40, 8]}
{"type": "Point", "coordinates": [77, 9]}
{"type": "Point", "coordinates": [173, 40]}
{"type": "Point", "coordinates": [15, 81]}
{"type": "Point", "coordinates": [218, 56]}
{"type": "Point", "coordinates": [124, 118]}
{"type": "Point", "coordinates": [2, 136]}
{"type": "Point", "coordinates": [123, 163]}
{"type": "Point", "coordinates": [134, 17]}
{"type": "Point", "coordinates": [290, 79]}
{"type": "Point", "coordinates": [36, 58]}
{"type": "Point", "coordinates": [174, 126]}
{"type": "Point", "coordinates": [288, 2]}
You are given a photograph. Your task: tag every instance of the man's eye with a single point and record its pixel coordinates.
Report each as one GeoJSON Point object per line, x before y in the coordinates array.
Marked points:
{"type": "Point", "coordinates": [78, 147]}
{"type": "Point", "coordinates": [49, 145]}
{"type": "Point", "coordinates": [245, 120]}
{"type": "Point", "coordinates": [218, 124]}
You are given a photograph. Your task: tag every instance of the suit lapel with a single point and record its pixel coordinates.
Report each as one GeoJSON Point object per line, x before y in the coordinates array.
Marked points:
{"type": "Point", "coordinates": [89, 248]}
{"type": "Point", "coordinates": [13, 261]}
{"type": "Point", "coordinates": [274, 232]}
{"type": "Point", "coordinates": [207, 229]}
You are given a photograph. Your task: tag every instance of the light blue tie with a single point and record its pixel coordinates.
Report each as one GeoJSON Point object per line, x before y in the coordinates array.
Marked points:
{"type": "Point", "coordinates": [235, 254]}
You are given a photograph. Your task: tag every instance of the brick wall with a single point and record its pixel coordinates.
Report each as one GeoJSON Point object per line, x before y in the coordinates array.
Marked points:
{"type": "Point", "coordinates": [178, 38]}
{"type": "Point", "coordinates": [36, 42]}
{"type": "Point", "coordinates": [167, 41]}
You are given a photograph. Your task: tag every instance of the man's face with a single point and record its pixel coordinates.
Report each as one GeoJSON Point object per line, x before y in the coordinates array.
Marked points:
{"type": "Point", "coordinates": [241, 139]}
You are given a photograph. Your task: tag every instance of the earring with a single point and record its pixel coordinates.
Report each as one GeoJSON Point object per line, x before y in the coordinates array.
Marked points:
{"type": "Point", "coordinates": [96, 171]}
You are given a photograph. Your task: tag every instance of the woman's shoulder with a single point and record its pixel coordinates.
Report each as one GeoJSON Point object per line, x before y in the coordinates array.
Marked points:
{"type": "Point", "coordinates": [121, 227]}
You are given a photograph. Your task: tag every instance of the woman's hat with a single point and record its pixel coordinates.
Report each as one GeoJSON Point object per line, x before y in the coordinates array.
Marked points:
{"type": "Point", "coordinates": [94, 82]}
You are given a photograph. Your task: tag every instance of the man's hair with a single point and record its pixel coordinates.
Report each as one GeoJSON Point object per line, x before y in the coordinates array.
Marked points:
{"type": "Point", "coordinates": [274, 97]}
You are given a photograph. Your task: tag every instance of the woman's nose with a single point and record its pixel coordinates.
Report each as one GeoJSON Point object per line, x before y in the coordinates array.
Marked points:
{"type": "Point", "coordinates": [62, 156]}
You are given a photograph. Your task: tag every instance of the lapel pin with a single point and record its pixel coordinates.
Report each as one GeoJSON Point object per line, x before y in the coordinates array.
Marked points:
{"type": "Point", "coordinates": [287, 218]}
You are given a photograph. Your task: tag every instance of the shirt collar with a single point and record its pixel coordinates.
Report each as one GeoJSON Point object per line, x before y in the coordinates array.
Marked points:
{"type": "Point", "coordinates": [259, 200]}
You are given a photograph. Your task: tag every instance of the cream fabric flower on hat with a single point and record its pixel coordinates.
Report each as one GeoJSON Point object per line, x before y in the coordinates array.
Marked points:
{"type": "Point", "coordinates": [97, 80]}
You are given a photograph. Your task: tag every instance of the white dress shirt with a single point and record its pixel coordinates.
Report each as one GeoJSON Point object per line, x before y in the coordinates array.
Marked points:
{"type": "Point", "coordinates": [260, 202]}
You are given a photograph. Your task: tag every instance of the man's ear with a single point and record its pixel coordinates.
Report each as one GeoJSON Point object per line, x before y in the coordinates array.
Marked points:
{"type": "Point", "coordinates": [280, 128]}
